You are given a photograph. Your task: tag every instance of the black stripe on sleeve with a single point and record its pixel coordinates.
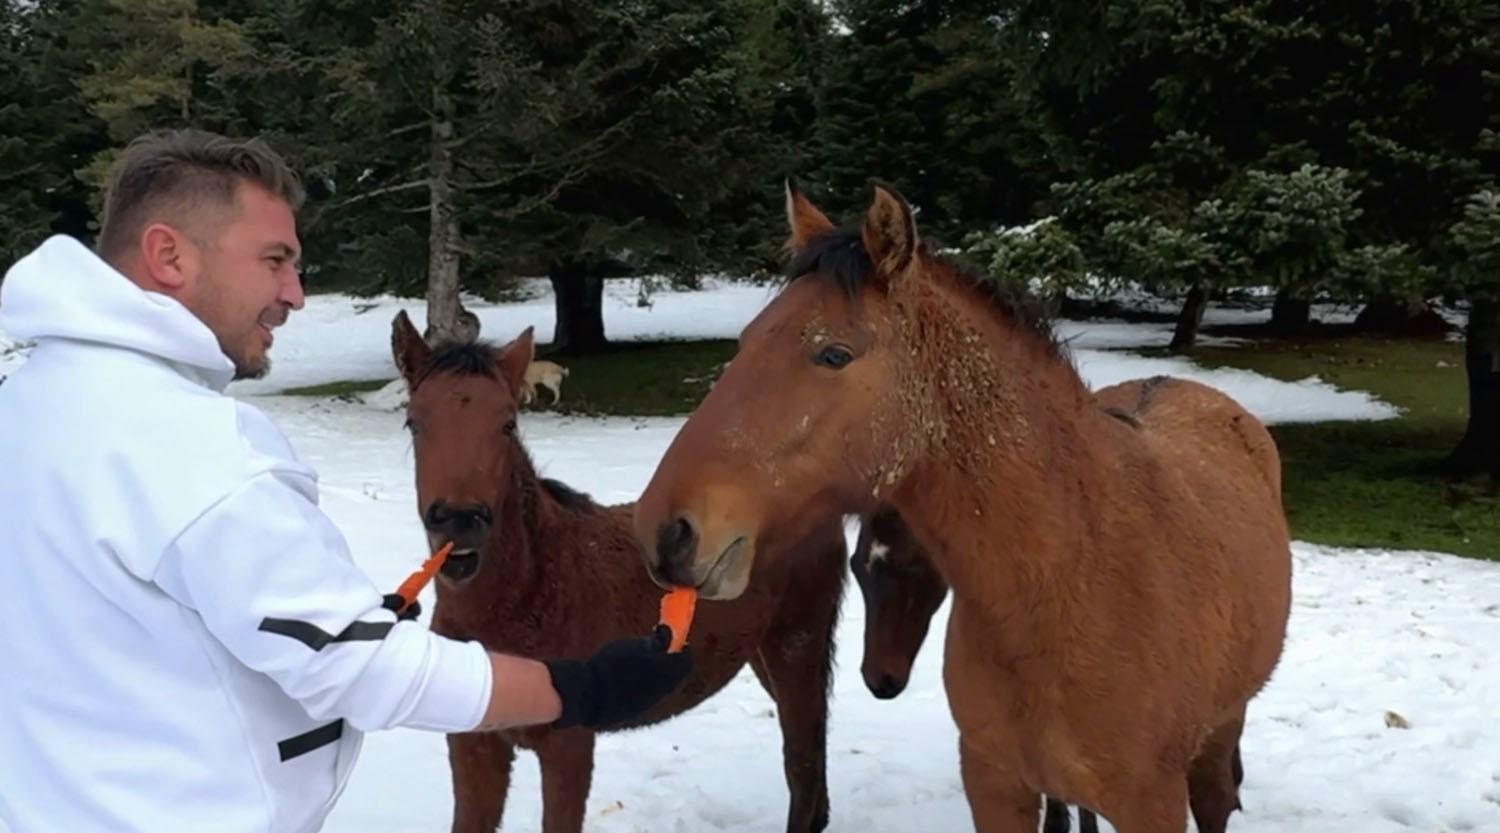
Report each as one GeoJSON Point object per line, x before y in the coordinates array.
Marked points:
{"type": "Point", "coordinates": [317, 639]}
{"type": "Point", "coordinates": [309, 741]}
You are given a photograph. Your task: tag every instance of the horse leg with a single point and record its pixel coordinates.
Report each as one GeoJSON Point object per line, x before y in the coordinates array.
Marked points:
{"type": "Point", "coordinates": [480, 763]}
{"type": "Point", "coordinates": [794, 664]}
{"type": "Point", "coordinates": [567, 763]}
{"type": "Point", "coordinates": [999, 801]}
{"type": "Point", "coordinates": [1054, 816]}
{"type": "Point", "coordinates": [1214, 777]}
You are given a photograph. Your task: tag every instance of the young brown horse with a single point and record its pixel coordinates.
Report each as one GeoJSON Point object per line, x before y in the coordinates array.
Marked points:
{"type": "Point", "coordinates": [542, 571]}
{"type": "Point", "coordinates": [1120, 586]}
{"type": "Point", "coordinates": [902, 591]}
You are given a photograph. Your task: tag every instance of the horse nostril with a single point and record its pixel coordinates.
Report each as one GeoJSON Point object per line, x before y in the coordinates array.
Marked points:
{"type": "Point", "coordinates": [438, 514]}
{"type": "Point", "coordinates": [445, 516]}
{"type": "Point", "coordinates": [675, 542]}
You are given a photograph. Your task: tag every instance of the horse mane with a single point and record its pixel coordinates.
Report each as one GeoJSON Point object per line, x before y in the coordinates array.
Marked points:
{"type": "Point", "coordinates": [464, 358]}
{"type": "Point", "coordinates": [841, 255]}
{"type": "Point", "coordinates": [477, 358]}
{"type": "Point", "coordinates": [567, 496]}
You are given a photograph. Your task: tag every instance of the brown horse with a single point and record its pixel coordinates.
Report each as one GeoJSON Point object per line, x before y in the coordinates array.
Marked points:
{"type": "Point", "coordinates": [1121, 586]}
{"type": "Point", "coordinates": [542, 571]}
{"type": "Point", "coordinates": [902, 591]}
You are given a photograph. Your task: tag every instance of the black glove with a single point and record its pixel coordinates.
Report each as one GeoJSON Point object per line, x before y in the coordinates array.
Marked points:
{"type": "Point", "coordinates": [393, 601]}
{"type": "Point", "coordinates": [624, 679]}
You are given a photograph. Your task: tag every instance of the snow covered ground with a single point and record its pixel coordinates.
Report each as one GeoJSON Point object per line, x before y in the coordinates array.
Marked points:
{"type": "Point", "coordinates": [1372, 632]}
{"type": "Point", "coordinates": [1412, 633]}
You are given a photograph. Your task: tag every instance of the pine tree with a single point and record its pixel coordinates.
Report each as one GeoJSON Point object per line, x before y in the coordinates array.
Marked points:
{"type": "Point", "coordinates": [919, 95]}
{"type": "Point", "coordinates": [27, 139]}
{"type": "Point", "coordinates": [1475, 241]}
{"type": "Point", "coordinates": [46, 133]}
{"type": "Point", "coordinates": [625, 126]}
{"type": "Point", "coordinates": [1155, 110]}
{"type": "Point", "coordinates": [155, 64]}
{"type": "Point", "coordinates": [783, 52]}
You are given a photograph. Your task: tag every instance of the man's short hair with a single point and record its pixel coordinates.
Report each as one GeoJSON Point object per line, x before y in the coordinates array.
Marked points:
{"type": "Point", "coordinates": [173, 175]}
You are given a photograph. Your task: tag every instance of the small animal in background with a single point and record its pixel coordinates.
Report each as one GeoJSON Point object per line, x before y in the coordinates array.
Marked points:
{"type": "Point", "coordinates": [544, 374]}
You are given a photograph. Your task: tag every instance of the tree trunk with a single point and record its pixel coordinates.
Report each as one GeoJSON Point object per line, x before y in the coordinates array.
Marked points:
{"type": "Point", "coordinates": [446, 318]}
{"type": "Point", "coordinates": [1189, 319]}
{"type": "Point", "coordinates": [1290, 314]}
{"type": "Point", "coordinates": [1401, 317]}
{"type": "Point", "coordinates": [1479, 450]}
{"type": "Point", "coordinates": [579, 298]}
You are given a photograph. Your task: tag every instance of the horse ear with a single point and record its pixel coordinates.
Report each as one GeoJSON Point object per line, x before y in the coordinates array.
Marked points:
{"type": "Point", "coordinates": [890, 232]}
{"type": "Point", "coordinates": [407, 347]}
{"type": "Point", "coordinates": [804, 219]}
{"type": "Point", "coordinates": [514, 358]}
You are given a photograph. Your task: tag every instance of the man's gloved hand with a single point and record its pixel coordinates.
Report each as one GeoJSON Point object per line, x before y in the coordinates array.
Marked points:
{"type": "Point", "coordinates": [393, 601]}
{"type": "Point", "coordinates": [619, 682]}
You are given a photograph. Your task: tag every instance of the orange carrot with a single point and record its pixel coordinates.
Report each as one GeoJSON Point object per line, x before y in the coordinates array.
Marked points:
{"type": "Point", "coordinates": [416, 581]}
{"type": "Point", "coordinates": [677, 614]}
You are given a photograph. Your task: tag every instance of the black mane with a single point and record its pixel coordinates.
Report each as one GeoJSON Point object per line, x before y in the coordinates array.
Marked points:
{"type": "Point", "coordinates": [570, 498]}
{"type": "Point", "coordinates": [840, 254]}
{"type": "Point", "coordinates": [465, 358]}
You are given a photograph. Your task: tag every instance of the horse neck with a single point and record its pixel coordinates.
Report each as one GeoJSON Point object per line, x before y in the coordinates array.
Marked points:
{"type": "Point", "coordinates": [995, 496]}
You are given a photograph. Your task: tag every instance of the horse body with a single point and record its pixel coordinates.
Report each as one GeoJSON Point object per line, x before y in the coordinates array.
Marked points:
{"type": "Point", "coordinates": [540, 570]}
{"type": "Point", "coordinates": [1120, 585]}
{"type": "Point", "coordinates": [585, 588]}
{"type": "Point", "coordinates": [902, 591]}
{"type": "Point", "coordinates": [1122, 656]}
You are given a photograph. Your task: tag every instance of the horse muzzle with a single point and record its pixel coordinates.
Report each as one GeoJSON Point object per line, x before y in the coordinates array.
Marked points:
{"type": "Point", "coordinates": [467, 526]}
{"type": "Point", "coordinates": [719, 568]}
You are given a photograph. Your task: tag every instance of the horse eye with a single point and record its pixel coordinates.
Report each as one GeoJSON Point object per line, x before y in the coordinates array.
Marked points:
{"type": "Point", "coordinates": [410, 426]}
{"type": "Point", "coordinates": [510, 426]}
{"type": "Point", "coordinates": [834, 356]}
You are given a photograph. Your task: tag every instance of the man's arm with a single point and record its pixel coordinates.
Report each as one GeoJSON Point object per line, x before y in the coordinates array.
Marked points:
{"type": "Point", "coordinates": [273, 581]}
{"type": "Point", "coordinates": [521, 694]}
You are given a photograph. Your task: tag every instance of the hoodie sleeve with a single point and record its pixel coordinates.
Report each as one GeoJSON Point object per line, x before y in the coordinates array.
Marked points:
{"type": "Point", "coordinates": [272, 579]}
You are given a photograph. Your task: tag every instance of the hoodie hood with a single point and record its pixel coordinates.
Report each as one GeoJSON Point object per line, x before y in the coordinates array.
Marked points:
{"type": "Point", "coordinates": [62, 290]}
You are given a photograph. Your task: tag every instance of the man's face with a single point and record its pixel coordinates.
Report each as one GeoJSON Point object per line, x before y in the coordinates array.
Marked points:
{"type": "Point", "coordinates": [247, 281]}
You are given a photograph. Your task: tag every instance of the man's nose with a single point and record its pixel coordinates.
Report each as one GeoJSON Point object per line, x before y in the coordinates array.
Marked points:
{"type": "Point", "coordinates": [292, 293]}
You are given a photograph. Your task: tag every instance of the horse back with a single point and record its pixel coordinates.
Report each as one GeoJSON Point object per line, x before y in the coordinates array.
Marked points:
{"type": "Point", "coordinates": [1191, 418]}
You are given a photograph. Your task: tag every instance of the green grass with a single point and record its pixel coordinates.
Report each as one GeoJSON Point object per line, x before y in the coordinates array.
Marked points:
{"type": "Point", "coordinates": [639, 378]}
{"type": "Point", "coordinates": [662, 378]}
{"type": "Point", "coordinates": [341, 389]}
{"type": "Point", "coordinates": [1376, 484]}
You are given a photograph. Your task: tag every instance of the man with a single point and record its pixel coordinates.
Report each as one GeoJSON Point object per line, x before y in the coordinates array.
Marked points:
{"type": "Point", "coordinates": [186, 642]}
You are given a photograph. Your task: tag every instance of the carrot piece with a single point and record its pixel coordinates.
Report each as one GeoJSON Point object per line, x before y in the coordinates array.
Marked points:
{"type": "Point", "coordinates": [416, 581]}
{"type": "Point", "coordinates": [677, 614]}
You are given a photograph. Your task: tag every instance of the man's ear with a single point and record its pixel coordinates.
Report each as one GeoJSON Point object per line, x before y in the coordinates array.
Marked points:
{"type": "Point", "coordinates": [168, 257]}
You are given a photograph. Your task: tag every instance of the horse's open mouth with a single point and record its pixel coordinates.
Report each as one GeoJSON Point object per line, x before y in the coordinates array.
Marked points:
{"type": "Point", "coordinates": [460, 564]}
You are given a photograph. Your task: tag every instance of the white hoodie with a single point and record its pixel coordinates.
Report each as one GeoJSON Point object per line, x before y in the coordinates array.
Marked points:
{"type": "Point", "coordinates": [185, 641]}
